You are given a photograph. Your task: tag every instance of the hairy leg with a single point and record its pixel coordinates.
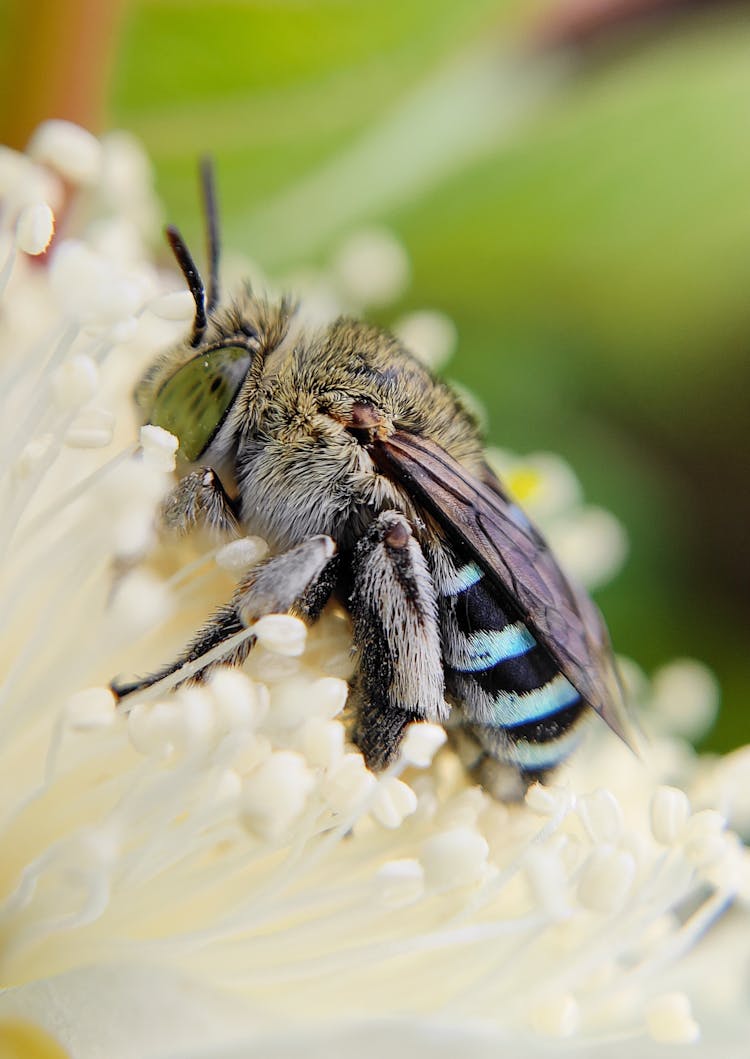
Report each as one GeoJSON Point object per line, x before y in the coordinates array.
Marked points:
{"type": "Point", "coordinates": [394, 610]}
{"type": "Point", "coordinates": [299, 580]}
{"type": "Point", "coordinates": [199, 499]}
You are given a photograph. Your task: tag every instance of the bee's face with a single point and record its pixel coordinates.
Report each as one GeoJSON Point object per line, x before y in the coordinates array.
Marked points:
{"type": "Point", "coordinates": [191, 390]}
{"type": "Point", "coordinates": [193, 402]}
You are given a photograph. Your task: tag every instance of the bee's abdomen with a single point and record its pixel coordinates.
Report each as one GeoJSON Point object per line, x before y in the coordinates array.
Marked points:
{"type": "Point", "coordinates": [509, 689]}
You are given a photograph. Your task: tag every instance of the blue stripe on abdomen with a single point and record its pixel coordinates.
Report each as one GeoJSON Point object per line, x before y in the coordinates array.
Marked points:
{"type": "Point", "coordinates": [507, 684]}
{"type": "Point", "coordinates": [487, 647]}
{"type": "Point", "coordinates": [509, 708]}
{"type": "Point", "coordinates": [529, 755]}
{"type": "Point", "coordinates": [464, 577]}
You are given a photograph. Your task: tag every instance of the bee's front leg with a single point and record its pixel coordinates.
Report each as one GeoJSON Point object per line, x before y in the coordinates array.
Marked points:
{"type": "Point", "coordinates": [394, 610]}
{"type": "Point", "coordinates": [300, 579]}
{"type": "Point", "coordinates": [199, 499]}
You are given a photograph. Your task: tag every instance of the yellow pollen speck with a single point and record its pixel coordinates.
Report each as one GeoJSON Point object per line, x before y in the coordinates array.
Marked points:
{"type": "Point", "coordinates": [524, 483]}
{"type": "Point", "coordinates": [24, 1040]}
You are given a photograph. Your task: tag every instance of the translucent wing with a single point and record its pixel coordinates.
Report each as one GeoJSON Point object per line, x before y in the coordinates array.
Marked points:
{"type": "Point", "coordinates": [480, 517]}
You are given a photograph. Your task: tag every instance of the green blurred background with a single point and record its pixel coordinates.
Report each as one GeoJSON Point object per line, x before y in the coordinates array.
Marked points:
{"type": "Point", "coordinates": [572, 183]}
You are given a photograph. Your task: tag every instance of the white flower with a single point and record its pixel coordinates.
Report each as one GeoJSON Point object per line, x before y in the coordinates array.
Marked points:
{"type": "Point", "coordinates": [217, 873]}
{"type": "Point", "coordinates": [589, 542]}
{"type": "Point", "coordinates": [371, 268]}
{"type": "Point", "coordinates": [429, 335]}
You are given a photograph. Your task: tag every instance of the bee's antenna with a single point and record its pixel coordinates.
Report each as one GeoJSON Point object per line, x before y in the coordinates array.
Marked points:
{"type": "Point", "coordinates": [192, 278]}
{"type": "Point", "coordinates": [208, 186]}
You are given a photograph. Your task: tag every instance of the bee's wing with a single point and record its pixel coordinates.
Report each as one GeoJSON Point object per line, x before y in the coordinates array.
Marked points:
{"type": "Point", "coordinates": [480, 517]}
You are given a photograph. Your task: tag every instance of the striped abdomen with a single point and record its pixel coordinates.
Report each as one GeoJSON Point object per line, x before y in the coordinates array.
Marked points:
{"type": "Point", "coordinates": [511, 695]}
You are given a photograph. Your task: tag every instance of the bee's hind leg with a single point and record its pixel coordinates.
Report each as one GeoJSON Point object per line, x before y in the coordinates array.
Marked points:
{"type": "Point", "coordinates": [394, 611]}
{"type": "Point", "coordinates": [299, 580]}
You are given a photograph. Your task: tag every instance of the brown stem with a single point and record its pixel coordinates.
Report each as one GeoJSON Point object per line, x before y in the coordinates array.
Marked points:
{"type": "Point", "coordinates": [57, 64]}
{"type": "Point", "coordinates": [581, 22]}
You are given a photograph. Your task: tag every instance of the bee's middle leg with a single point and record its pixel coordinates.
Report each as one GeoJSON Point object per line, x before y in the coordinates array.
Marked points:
{"type": "Point", "coordinates": [394, 612]}
{"type": "Point", "coordinates": [300, 579]}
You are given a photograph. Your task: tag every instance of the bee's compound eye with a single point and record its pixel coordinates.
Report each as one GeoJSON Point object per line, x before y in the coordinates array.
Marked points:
{"type": "Point", "coordinates": [192, 403]}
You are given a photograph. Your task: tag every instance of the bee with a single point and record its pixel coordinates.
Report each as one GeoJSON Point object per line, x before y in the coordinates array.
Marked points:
{"type": "Point", "coordinates": [367, 477]}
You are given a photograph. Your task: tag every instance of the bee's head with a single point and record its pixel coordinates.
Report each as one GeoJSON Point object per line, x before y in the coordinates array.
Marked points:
{"type": "Point", "coordinates": [190, 392]}
{"type": "Point", "coordinates": [191, 389]}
